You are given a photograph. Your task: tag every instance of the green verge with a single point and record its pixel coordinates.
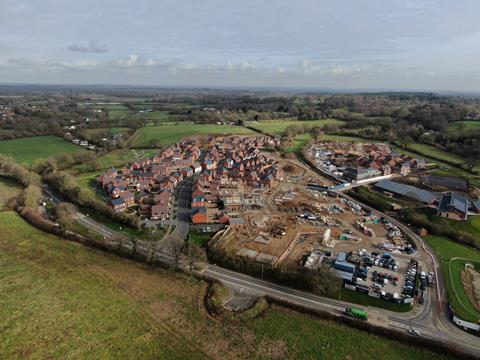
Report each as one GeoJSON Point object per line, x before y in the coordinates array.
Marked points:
{"type": "Point", "coordinates": [307, 339]}
{"type": "Point", "coordinates": [446, 250]}
{"type": "Point", "coordinates": [365, 300]}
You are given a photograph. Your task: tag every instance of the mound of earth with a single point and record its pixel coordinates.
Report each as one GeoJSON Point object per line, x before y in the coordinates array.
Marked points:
{"type": "Point", "coordinates": [471, 284]}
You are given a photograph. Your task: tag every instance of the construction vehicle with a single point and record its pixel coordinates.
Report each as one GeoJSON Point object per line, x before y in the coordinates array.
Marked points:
{"type": "Point", "coordinates": [356, 313]}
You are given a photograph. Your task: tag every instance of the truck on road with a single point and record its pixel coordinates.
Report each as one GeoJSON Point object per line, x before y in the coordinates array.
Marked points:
{"type": "Point", "coordinates": [356, 313]}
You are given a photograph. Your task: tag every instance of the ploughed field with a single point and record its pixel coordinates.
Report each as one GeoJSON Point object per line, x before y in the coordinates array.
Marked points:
{"type": "Point", "coordinates": [62, 300]}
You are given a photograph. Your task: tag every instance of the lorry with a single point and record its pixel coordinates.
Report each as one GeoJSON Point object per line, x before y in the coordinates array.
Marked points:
{"type": "Point", "coordinates": [356, 313]}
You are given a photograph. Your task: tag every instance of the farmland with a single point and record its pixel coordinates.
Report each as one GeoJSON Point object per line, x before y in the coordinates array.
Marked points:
{"type": "Point", "coordinates": [28, 150]}
{"type": "Point", "coordinates": [278, 127]}
{"type": "Point", "coordinates": [463, 126]}
{"type": "Point", "coordinates": [448, 250]}
{"type": "Point", "coordinates": [169, 134]}
{"type": "Point", "coordinates": [61, 300]}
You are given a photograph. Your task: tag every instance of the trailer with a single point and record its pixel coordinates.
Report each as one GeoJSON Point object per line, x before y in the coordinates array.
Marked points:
{"type": "Point", "coordinates": [356, 313]}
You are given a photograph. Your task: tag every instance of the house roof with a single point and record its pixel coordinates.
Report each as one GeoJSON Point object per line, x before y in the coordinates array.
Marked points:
{"type": "Point", "coordinates": [476, 204]}
{"type": "Point", "coordinates": [453, 201]}
{"type": "Point", "coordinates": [118, 201]}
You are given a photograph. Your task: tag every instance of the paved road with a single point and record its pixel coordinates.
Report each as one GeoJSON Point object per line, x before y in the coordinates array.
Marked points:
{"type": "Point", "coordinates": [182, 223]}
{"type": "Point", "coordinates": [380, 317]}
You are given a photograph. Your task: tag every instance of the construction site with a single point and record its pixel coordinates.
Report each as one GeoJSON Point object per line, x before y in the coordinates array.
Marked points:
{"type": "Point", "coordinates": [297, 226]}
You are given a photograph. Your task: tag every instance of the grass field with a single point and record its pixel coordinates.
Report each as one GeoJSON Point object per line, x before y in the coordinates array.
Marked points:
{"type": "Point", "coordinates": [27, 150]}
{"type": "Point", "coordinates": [446, 250]}
{"type": "Point", "coordinates": [170, 134]}
{"type": "Point", "coordinates": [61, 300]}
{"type": "Point", "coordinates": [115, 111]}
{"type": "Point", "coordinates": [435, 153]}
{"type": "Point", "coordinates": [8, 190]}
{"type": "Point", "coordinates": [463, 126]}
{"type": "Point", "coordinates": [278, 127]}
{"type": "Point", "coordinates": [112, 130]}
{"type": "Point", "coordinates": [298, 143]}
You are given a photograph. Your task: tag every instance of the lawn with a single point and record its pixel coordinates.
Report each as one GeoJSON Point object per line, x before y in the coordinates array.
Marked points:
{"type": "Point", "coordinates": [62, 300]}
{"type": "Point", "coordinates": [27, 150]}
{"type": "Point", "coordinates": [446, 250]}
{"type": "Point", "coordinates": [199, 238]}
{"type": "Point", "coordinates": [278, 127]}
{"type": "Point", "coordinates": [170, 134]}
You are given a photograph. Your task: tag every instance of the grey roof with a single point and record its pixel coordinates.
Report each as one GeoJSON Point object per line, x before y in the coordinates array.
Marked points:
{"type": "Point", "coordinates": [412, 192]}
{"type": "Point", "coordinates": [117, 201]}
{"type": "Point", "coordinates": [453, 201]}
{"type": "Point", "coordinates": [341, 257]}
{"type": "Point", "coordinates": [476, 204]}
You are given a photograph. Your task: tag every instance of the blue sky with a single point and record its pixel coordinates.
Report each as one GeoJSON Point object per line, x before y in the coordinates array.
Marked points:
{"type": "Point", "coordinates": [422, 44]}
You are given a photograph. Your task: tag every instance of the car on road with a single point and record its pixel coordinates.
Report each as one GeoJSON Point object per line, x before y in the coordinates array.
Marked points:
{"type": "Point", "coordinates": [414, 332]}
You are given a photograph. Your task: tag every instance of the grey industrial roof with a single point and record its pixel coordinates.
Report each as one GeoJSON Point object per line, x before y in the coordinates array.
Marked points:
{"type": "Point", "coordinates": [453, 201]}
{"type": "Point", "coordinates": [413, 192]}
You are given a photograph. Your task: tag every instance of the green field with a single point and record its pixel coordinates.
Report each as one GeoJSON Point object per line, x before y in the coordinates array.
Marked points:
{"type": "Point", "coordinates": [115, 111]}
{"type": "Point", "coordinates": [8, 190]}
{"type": "Point", "coordinates": [309, 339]}
{"type": "Point", "coordinates": [298, 143]}
{"type": "Point", "coordinates": [27, 150]}
{"type": "Point", "coordinates": [444, 160]}
{"type": "Point", "coordinates": [464, 126]}
{"type": "Point", "coordinates": [446, 250]}
{"type": "Point", "coordinates": [62, 300]}
{"type": "Point", "coordinates": [278, 127]}
{"type": "Point", "coordinates": [170, 134]}
{"type": "Point", "coordinates": [112, 130]}
{"type": "Point", "coordinates": [435, 153]}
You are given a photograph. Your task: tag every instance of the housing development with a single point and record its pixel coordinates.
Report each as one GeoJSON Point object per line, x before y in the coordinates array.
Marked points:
{"type": "Point", "coordinates": [296, 216]}
{"type": "Point", "coordinates": [212, 218]}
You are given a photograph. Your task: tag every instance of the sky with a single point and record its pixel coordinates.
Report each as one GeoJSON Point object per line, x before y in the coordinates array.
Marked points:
{"type": "Point", "coordinates": [337, 44]}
